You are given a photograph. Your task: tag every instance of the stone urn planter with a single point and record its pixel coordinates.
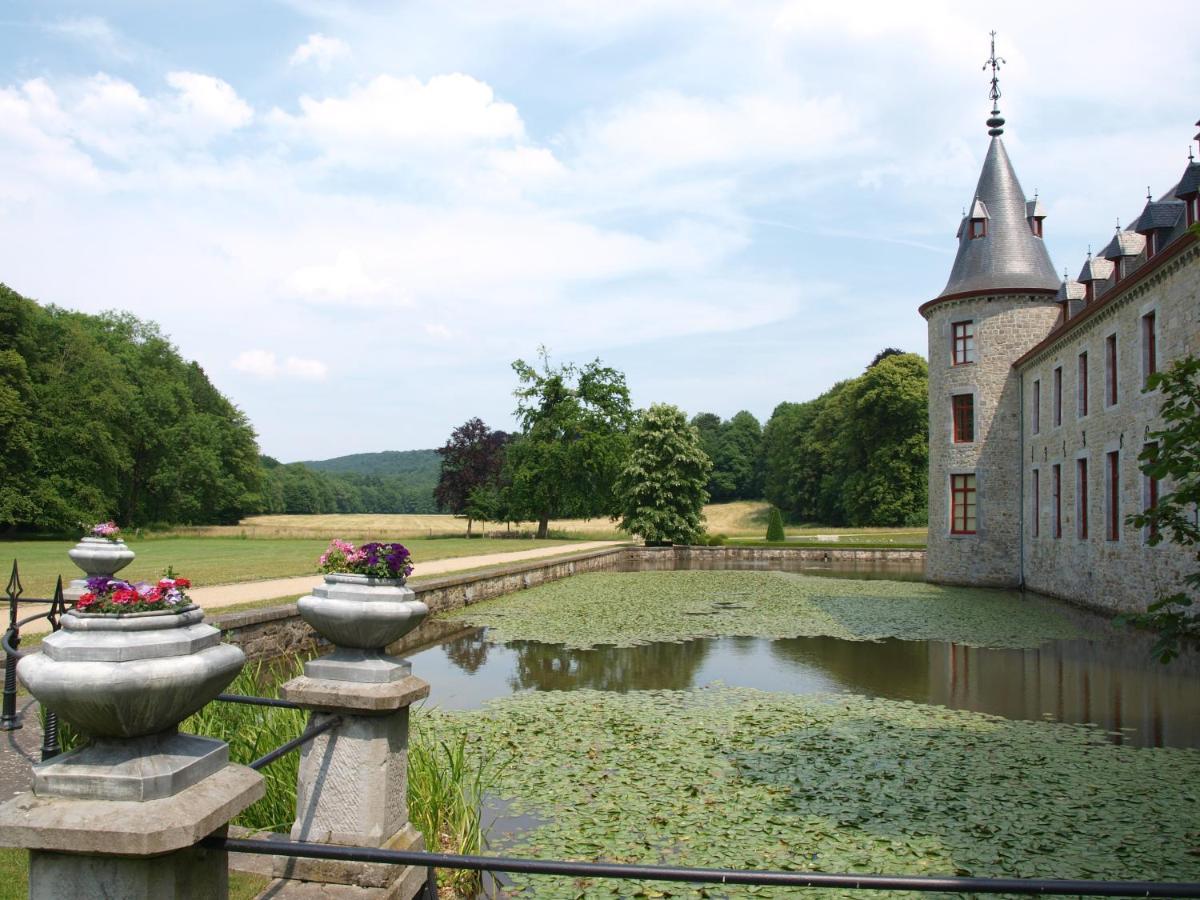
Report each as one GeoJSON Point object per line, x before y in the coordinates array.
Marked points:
{"type": "Point", "coordinates": [97, 556]}
{"type": "Point", "coordinates": [127, 681]}
{"type": "Point", "coordinates": [361, 615]}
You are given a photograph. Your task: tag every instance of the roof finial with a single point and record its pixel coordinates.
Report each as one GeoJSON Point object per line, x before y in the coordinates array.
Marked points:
{"type": "Point", "coordinates": [1148, 197]}
{"type": "Point", "coordinates": [1190, 157]}
{"type": "Point", "coordinates": [1089, 251]}
{"type": "Point", "coordinates": [995, 124]}
{"type": "Point", "coordinates": [1118, 224]}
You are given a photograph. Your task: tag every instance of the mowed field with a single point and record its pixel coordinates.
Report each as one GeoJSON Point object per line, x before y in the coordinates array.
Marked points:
{"type": "Point", "coordinates": [225, 560]}
{"type": "Point", "coordinates": [263, 547]}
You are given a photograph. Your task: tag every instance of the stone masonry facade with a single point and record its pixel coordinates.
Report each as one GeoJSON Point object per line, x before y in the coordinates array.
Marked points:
{"type": "Point", "coordinates": [1005, 326]}
{"type": "Point", "coordinates": [1083, 561]}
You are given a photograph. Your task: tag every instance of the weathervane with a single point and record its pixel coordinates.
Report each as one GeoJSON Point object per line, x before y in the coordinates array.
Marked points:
{"type": "Point", "coordinates": [996, 122]}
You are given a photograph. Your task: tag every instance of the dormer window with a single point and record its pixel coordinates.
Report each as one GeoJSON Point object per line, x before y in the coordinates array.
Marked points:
{"type": "Point", "coordinates": [1034, 214]}
{"type": "Point", "coordinates": [977, 223]}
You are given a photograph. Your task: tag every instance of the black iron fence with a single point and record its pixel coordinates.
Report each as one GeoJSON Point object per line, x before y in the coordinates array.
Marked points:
{"type": "Point", "coordinates": [569, 868]}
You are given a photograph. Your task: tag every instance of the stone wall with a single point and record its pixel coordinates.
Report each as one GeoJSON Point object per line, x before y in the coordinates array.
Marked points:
{"type": "Point", "coordinates": [1006, 326]}
{"type": "Point", "coordinates": [1123, 574]}
{"type": "Point", "coordinates": [276, 631]}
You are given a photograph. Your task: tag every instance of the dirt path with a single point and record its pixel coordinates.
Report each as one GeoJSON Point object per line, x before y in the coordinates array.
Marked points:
{"type": "Point", "coordinates": [219, 595]}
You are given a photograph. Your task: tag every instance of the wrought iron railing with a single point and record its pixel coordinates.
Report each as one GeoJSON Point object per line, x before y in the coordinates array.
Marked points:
{"type": "Point", "coordinates": [10, 719]}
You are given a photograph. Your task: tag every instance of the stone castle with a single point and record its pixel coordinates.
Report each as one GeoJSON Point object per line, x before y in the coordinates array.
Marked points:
{"type": "Point", "coordinates": [1037, 401]}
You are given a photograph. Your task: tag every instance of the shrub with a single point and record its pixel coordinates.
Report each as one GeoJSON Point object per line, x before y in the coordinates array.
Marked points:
{"type": "Point", "coordinates": [775, 526]}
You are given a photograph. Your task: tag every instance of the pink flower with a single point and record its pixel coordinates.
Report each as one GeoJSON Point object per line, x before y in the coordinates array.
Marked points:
{"type": "Point", "coordinates": [124, 596]}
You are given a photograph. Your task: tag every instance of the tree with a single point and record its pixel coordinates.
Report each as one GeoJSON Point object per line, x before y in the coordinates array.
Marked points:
{"type": "Point", "coordinates": [735, 448]}
{"type": "Point", "coordinates": [775, 526]}
{"type": "Point", "coordinates": [1173, 457]}
{"type": "Point", "coordinates": [573, 441]}
{"type": "Point", "coordinates": [662, 486]}
{"type": "Point", "coordinates": [471, 459]}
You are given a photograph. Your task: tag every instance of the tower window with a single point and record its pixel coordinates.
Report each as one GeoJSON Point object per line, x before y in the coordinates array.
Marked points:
{"type": "Point", "coordinates": [1056, 487]}
{"type": "Point", "coordinates": [963, 349]}
{"type": "Point", "coordinates": [962, 504]}
{"type": "Point", "coordinates": [1081, 499]}
{"type": "Point", "coordinates": [1110, 369]}
{"type": "Point", "coordinates": [963, 407]}
{"type": "Point", "coordinates": [1037, 405]}
{"type": "Point", "coordinates": [1037, 503]}
{"type": "Point", "coordinates": [1112, 495]}
{"type": "Point", "coordinates": [1149, 347]}
{"type": "Point", "coordinates": [1057, 396]}
{"type": "Point", "coordinates": [978, 228]}
{"type": "Point", "coordinates": [1150, 490]}
{"type": "Point", "coordinates": [1035, 225]}
{"type": "Point", "coordinates": [1081, 385]}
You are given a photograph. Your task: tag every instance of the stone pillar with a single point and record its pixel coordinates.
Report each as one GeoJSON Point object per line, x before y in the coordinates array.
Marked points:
{"type": "Point", "coordinates": [89, 848]}
{"type": "Point", "coordinates": [353, 781]}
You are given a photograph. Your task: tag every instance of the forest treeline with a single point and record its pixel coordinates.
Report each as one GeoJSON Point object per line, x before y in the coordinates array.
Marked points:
{"type": "Point", "coordinates": [102, 418]}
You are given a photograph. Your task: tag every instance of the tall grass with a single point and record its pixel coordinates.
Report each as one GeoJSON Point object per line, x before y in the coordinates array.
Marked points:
{"type": "Point", "coordinates": [446, 786]}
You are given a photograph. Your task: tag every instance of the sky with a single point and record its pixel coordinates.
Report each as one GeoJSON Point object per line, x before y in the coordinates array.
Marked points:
{"type": "Point", "coordinates": [356, 215]}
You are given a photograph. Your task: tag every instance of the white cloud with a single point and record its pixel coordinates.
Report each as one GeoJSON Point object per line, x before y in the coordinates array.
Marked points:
{"type": "Point", "coordinates": [95, 33]}
{"type": "Point", "coordinates": [344, 280]}
{"type": "Point", "coordinates": [265, 364]}
{"type": "Point", "coordinates": [321, 51]}
{"type": "Point", "coordinates": [438, 331]}
{"type": "Point", "coordinates": [390, 113]}
{"type": "Point", "coordinates": [209, 106]}
{"type": "Point", "coordinates": [260, 363]}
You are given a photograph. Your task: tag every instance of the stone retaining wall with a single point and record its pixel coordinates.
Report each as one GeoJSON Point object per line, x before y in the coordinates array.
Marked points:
{"type": "Point", "coordinates": [276, 631]}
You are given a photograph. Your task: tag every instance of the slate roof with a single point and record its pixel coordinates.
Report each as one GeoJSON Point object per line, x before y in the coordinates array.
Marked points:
{"type": "Point", "coordinates": [1070, 290]}
{"type": "Point", "coordinates": [1124, 243]}
{"type": "Point", "coordinates": [1010, 256]}
{"type": "Point", "coordinates": [1159, 214]}
{"type": "Point", "coordinates": [1097, 267]}
{"type": "Point", "coordinates": [1190, 182]}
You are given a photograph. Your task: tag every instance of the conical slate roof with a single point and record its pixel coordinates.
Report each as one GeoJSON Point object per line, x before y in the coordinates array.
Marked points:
{"type": "Point", "coordinates": [1010, 256]}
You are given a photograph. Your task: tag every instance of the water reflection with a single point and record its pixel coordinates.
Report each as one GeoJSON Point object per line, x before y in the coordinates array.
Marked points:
{"type": "Point", "coordinates": [1110, 680]}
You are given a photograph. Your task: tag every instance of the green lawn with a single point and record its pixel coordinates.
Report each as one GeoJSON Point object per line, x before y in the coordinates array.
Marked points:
{"type": "Point", "coordinates": [221, 560]}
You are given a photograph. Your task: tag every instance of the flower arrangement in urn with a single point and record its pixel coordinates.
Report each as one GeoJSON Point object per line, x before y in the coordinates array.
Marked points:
{"type": "Point", "coordinates": [105, 530]}
{"type": "Point", "coordinates": [375, 560]}
{"type": "Point", "coordinates": [113, 595]}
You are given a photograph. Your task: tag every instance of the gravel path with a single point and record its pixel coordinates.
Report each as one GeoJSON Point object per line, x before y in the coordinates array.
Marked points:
{"type": "Point", "coordinates": [220, 595]}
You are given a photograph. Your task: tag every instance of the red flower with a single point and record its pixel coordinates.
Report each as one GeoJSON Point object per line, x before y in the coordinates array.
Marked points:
{"type": "Point", "coordinates": [152, 596]}
{"type": "Point", "coordinates": [85, 600]}
{"type": "Point", "coordinates": [165, 584]}
{"type": "Point", "coordinates": [124, 595]}
{"type": "Point", "coordinates": [182, 583]}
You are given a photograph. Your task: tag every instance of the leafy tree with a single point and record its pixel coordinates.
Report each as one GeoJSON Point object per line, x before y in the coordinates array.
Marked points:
{"type": "Point", "coordinates": [735, 448]}
{"type": "Point", "coordinates": [471, 459]}
{"type": "Point", "coordinates": [857, 454]}
{"type": "Point", "coordinates": [573, 441]}
{"type": "Point", "coordinates": [662, 486]}
{"type": "Point", "coordinates": [775, 526]}
{"type": "Point", "coordinates": [1173, 457]}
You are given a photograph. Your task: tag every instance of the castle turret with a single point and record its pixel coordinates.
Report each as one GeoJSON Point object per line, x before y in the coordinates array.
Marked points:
{"type": "Point", "coordinates": [999, 301]}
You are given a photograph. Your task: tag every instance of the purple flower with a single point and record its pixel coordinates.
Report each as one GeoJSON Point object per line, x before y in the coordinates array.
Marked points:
{"type": "Point", "coordinates": [98, 584]}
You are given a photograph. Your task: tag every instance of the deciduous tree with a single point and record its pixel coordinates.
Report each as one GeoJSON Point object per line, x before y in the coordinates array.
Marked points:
{"type": "Point", "coordinates": [472, 459]}
{"type": "Point", "coordinates": [662, 487]}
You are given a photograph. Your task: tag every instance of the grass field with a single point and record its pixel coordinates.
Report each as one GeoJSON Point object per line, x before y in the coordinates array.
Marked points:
{"type": "Point", "coordinates": [223, 560]}
{"type": "Point", "coordinates": [365, 525]}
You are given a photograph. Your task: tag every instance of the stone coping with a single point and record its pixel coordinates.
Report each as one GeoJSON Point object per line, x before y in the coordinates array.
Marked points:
{"type": "Point", "coordinates": [130, 827]}
{"type": "Point", "coordinates": [354, 697]}
{"type": "Point", "coordinates": [244, 618]}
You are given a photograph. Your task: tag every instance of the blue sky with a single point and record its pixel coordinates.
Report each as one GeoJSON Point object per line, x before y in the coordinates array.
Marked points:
{"type": "Point", "coordinates": [356, 215]}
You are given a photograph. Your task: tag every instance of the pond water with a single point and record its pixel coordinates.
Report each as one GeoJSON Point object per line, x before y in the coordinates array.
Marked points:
{"type": "Point", "coordinates": [1108, 679]}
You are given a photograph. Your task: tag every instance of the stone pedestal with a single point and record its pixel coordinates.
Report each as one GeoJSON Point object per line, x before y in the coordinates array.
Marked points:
{"type": "Point", "coordinates": [353, 782]}
{"type": "Point", "coordinates": [87, 848]}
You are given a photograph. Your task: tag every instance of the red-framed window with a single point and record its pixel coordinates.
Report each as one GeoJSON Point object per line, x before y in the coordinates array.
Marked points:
{"type": "Point", "coordinates": [1150, 489]}
{"type": "Point", "coordinates": [1037, 405]}
{"type": "Point", "coordinates": [1057, 396]}
{"type": "Point", "coordinates": [1151, 243]}
{"type": "Point", "coordinates": [962, 504]}
{"type": "Point", "coordinates": [1037, 503]}
{"type": "Point", "coordinates": [963, 409]}
{"type": "Point", "coordinates": [1149, 346]}
{"type": "Point", "coordinates": [1056, 487]}
{"type": "Point", "coordinates": [963, 343]}
{"type": "Point", "coordinates": [1035, 225]}
{"type": "Point", "coordinates": [1112, 495]}
{"type": "Point", "coordinates": [978, 228]}
{"type": "Point", "coordinates": [1110, 369]}
{"type": "Point", "coordinates": [1116, 275]}
{"type": "Point", "coordinates": [1081, 499]}
{"type": "Point", "coordinates": [1081, 385]}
